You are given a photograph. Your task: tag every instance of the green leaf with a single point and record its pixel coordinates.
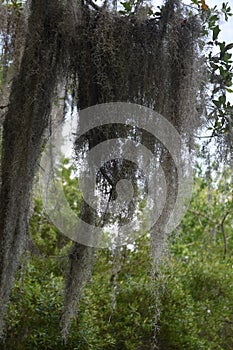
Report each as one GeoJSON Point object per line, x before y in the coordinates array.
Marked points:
{"type": "Point", "coordinates": [196, 2]}
{"type": "Point", "coordinates": [216, 31]}
{"type": "Point", "coordinates": [222, 99]}
{"type": "Point", "coordinates": [216, 90]}
{"type": "Point", "coordinates": [127, 6]}
{"type": "Point", "coordinates": [226, 57]}
{"type": "Point", "coordinates": [217, 103]}
{"type": "Point", "coordinates": [229, 47]}
{"type": "Point", "coordinates": [150, 12]}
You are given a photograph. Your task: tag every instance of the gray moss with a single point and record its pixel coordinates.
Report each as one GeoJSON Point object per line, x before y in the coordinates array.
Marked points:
{"type": "Point", "coordinates": [104, 57]}
{"type": "Point", "coordinates": [24, 125]}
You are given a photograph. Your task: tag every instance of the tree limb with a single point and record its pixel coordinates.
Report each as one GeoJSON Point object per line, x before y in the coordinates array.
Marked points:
{"type": "Point", "coordinates": [224, 233]}
{"type": "Point", "coordinates": [92, 4]}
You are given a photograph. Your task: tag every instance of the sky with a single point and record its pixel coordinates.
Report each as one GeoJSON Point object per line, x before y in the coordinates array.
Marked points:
{"type": "Point", "coordinates": [227, 27]}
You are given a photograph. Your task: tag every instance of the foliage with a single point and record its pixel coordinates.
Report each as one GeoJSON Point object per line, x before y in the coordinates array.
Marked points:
{"type": "Point", "coordinates": [117, 310]}
{"type": "Point", "coordinates": [221, 72]}
{"type": "Point", "coordinates": [198, 299]}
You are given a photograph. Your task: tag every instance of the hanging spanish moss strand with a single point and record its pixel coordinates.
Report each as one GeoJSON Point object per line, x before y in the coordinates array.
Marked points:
{"type": "Point", "coordinates": [23, 129]}
{"type": "Point", "coordinates": [134, 59]}
{"type": "Point", "coordinates": [12, 40]}
{"type": "Point", "coordinates": [116, 268]}
{"type": "Point", "coordinates": [79, 272]}
{"type": "Point", "coordinates": [181, 75]}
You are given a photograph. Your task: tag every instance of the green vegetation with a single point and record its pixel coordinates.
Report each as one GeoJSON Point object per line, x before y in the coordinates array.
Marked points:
{"type": "Point", "coordinates": [195, 285]}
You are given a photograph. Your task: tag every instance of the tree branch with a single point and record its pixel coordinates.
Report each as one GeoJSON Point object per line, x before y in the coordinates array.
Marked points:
{"type": "Point", "coordinates": [2, 107]}
{"type": "Point", "coordinates": [198, 213]}
{"type": "Point", "coordinates": [224, 233]}
{"type": "Point", "coordinates": [92, 4]}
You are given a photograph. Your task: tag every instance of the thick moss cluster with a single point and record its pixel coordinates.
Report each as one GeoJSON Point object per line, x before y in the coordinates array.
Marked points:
{"type": "Point", "coordinates": [104, 57]}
